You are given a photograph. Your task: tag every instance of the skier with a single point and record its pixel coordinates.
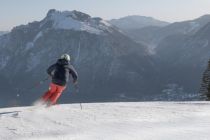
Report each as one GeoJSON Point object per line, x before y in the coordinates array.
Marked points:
{"type": "Point", "coordinates": [59, 72]}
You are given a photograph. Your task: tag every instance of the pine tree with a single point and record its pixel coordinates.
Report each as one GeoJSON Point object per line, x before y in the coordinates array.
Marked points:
{"type": "Point", "coordinates": [205, 86]}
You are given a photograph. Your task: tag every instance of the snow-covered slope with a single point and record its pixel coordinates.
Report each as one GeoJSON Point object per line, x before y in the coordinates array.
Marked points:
{"type": "Point", "coordinates": [108, 121]}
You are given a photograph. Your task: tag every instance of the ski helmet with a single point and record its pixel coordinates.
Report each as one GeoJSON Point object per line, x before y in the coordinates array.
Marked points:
{"type": "Point", "coordinates": [66, 57]}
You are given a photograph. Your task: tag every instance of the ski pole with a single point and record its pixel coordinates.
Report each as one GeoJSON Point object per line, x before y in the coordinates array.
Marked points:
{"type": "Point", "coordinates": [77, 90]}
{"type": "Point", "coordinates": [80, 105]}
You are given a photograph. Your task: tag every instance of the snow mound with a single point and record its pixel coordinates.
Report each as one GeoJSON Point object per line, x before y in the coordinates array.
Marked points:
{"type": "Point", "coordinates": [108, 121]}
{"type": "Point", "coordinates": [78, 21]}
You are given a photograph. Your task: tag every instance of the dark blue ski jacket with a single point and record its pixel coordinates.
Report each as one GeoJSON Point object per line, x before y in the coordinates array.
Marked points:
{"type": "Point", "coordinates": [61, 71]}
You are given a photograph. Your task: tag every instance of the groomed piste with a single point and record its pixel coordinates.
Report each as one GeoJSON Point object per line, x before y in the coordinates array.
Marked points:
{"type": "Point", "coordinates": [108, 121]}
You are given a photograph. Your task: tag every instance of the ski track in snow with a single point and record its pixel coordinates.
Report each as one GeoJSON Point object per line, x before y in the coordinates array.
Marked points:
{"type": "Point", "coordinates": [108, 121]}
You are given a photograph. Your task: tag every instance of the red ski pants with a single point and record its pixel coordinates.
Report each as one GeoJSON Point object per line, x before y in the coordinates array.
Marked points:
{"type": "Point", "coordinates": [53, 93]}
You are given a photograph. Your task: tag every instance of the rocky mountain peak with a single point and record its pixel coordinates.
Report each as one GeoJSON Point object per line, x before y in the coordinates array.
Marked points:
{"type": "Point", "coordinates": [77, 21]}
{"type": "Point", "coordinates": [68, 14]}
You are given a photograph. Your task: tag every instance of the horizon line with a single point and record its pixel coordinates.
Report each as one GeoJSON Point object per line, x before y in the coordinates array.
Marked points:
{"type": "Point", "coordinates": [129, 15]}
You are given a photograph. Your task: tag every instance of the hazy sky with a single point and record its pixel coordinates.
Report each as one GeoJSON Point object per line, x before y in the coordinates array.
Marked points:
{"type": "Point", "coordinates": [16, 12]}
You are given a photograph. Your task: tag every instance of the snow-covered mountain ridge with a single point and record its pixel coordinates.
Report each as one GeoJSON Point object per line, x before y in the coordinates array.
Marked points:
{"type": "Point", "coordinates": [108, 121]}
{"type": "Point", "coordinates": [74, 20]}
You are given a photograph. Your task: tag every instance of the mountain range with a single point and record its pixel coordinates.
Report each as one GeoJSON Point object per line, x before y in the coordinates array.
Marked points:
{"type": "Point", "coordinates": [181, 52]}
{"type": "Point", "coordinates": [152, 35]}
{"type": "Point", "coordinates": [111, 66]}
{"type": "Point", "coordinates": [136, 22]}
{"type": "Point", "coordinates": [185, 56]}
{"type": "Point", "coordinates": [165, 62]}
